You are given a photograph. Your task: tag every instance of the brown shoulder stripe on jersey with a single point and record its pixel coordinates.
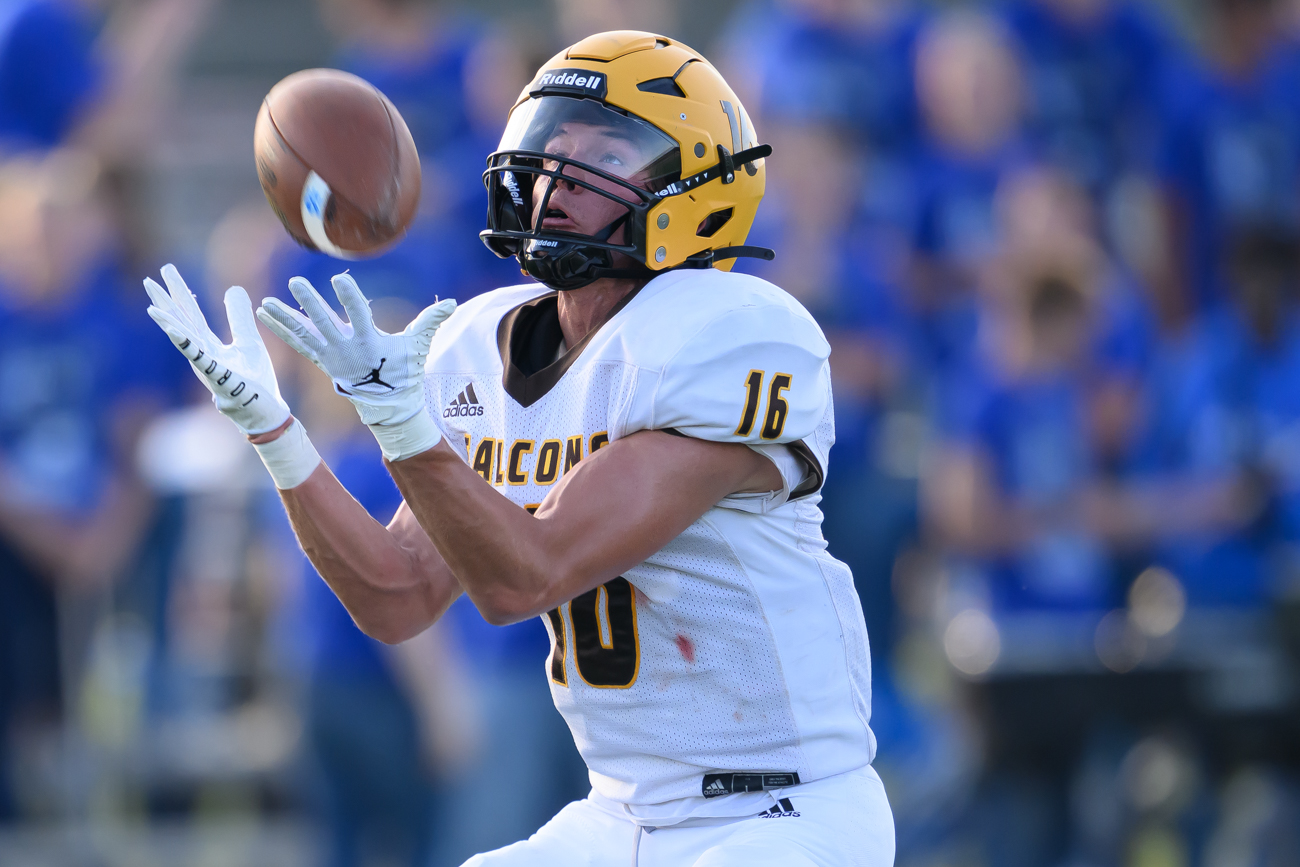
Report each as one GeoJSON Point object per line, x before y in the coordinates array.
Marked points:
{"type": "Point", "coordinates": [525, 334]}
{"type": "Point", "coordinates": [818, 476]}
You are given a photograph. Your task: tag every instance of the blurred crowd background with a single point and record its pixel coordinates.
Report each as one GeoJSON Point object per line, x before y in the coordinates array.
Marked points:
{"type": "Point", "coordinates": [1055, 245]}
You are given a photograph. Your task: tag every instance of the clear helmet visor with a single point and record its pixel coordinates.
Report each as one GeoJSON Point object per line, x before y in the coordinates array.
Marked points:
{"type": "Point", "coordinates": [588, 132]}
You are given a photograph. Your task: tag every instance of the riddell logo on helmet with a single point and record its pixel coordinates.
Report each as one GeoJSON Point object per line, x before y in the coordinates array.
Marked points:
{"type": "Point", "coordinates": [508, 180]}
{"type": "Point", "coordinates": [580, 81]}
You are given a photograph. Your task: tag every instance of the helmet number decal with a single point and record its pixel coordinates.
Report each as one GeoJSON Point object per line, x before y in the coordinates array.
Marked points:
{"type": "Point", "coordinates": [778, 408]}
{"type": "Point", "coordinates": [742, 132]}
{"type": "Point", "coordinates": [735, 125]}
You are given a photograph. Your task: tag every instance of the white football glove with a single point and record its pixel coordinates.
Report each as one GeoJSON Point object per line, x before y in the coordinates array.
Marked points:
{"type": "Point", "coordinates": [382, 374]}
{"type": "Point", "coordinates": [239, 374]}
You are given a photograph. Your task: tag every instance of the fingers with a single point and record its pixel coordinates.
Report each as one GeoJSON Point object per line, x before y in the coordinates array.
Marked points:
{"type": "Point", "coordinates": [239, 312]}
{"type": "Point", "coordinates": [291, 327]}
{"type": "Point", "coordinates": [325, 319]}
{"type": "Point", "coordinates": [204, 364]}
{"type": "Point", "coordinates": [177, 332]}
{"type": "Point", "coordinates": [186, 303]}
{"type": "Point", "coordinates": [291, 320]}
{"type": "Point", "coordinates": [354, 303]}
{"type": "Point", "coordinates": [160, 299]}
{"type": "Point", "coordinates": [431, 318]}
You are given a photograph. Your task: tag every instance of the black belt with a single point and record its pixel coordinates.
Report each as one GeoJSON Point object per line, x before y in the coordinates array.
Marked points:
{"type": "Point", "coordinates": [717, 785]}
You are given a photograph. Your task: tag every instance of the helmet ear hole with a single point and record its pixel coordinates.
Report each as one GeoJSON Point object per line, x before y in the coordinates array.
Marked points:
{"type": "Point", "coordinates": [711, 224]}
{"type": "Point", "coordinates": [665, 86]}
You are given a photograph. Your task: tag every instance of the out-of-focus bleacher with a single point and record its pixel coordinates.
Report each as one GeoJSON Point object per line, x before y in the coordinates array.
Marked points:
{"type": "Point", "coordinates": [1055, 245]}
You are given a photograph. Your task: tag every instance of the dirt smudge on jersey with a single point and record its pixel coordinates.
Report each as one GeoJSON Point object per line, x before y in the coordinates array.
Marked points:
{"type": "Point", "coordinates": [686, 648]}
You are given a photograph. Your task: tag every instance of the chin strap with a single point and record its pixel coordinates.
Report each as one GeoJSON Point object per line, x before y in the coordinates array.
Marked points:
{"type": "Point", "coordinates": [743, 251]}
{"type": "Point", "coordinates": [709, 257]}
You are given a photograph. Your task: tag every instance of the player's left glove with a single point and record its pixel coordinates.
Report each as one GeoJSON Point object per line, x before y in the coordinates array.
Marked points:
{"type": "Point", "coordinates": [382, 374]}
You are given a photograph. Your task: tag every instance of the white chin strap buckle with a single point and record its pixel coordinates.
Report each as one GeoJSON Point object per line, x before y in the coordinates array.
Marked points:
{"type": "Point", "coordinates": [315, 196]}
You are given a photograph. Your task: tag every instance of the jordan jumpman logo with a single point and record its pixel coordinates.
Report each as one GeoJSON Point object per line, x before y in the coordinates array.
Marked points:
{"type": "Point", "coordinates": [373, 378]}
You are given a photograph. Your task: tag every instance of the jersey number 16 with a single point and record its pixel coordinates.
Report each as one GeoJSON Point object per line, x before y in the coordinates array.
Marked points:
{"type": "Point", "coordinates": [777, 407]}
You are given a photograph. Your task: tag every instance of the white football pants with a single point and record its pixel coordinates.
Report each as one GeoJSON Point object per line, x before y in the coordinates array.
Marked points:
{"type": "Point", "coordinates": [841, 821]}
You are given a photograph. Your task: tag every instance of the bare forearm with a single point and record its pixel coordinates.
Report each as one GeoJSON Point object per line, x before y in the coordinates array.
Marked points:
{"type": "Point", "coordinates": [610, 513]}
{"type": "Point", "coordinates": [495, 549]}
{"type": "Point", "coordinates": [392, 587]}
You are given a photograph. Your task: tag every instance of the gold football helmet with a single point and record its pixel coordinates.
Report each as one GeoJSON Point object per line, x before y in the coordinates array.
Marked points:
{"type": "Point", "coordinates": [673, 148]}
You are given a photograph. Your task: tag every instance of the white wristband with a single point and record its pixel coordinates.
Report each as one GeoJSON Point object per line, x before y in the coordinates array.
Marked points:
{"type": "Point", "coordinates": [407, 439]}
{"type": "Point", "coordinates": [290, 458]}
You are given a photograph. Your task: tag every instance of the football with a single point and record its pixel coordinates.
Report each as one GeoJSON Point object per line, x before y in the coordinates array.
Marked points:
{"type": "Point", "coordinates": [337, 163]}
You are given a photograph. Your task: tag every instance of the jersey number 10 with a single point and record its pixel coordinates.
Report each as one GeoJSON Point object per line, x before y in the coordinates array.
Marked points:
{"type": "Point", "coordinates": [606, 651]}
{"type": "Point", "coordinates": [777, 407]}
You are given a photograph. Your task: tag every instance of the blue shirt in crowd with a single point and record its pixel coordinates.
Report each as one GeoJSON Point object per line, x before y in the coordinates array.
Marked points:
{"type": "Point", "coordinates": [1034, 433]}
{"type": "Point", "coordinates": [1223, 403]}
{"type": "Point", "coordinates": [1231, 157]}
{"type": "Point", "coordinates": [66, 367]}
{"type": "Point", "coordinates": [1092, 86]}
{"type": "Point", "coordinates": [48, 74]}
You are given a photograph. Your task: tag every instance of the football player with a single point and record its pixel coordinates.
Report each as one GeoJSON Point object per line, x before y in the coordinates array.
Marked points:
{"type": "Point", "coordinates": [630, 448]}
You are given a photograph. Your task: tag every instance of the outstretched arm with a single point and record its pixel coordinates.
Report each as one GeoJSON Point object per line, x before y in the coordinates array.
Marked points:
{"type": "Point", "coordinates": [614, 510]}
{"type": "Point", "coordinates": [391, 579]}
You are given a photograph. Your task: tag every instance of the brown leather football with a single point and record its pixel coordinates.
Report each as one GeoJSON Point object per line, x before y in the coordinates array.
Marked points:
{"type": "Point", "coordinates": [337, 163]}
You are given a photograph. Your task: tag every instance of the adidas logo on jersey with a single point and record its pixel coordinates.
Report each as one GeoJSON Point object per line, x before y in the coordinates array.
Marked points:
{"type": "Point", "coordinates": [716, 788]}
{"type": "Point", "coordinates": [465, 404]}
{"type": "Point", "coordinates": [783, 809]}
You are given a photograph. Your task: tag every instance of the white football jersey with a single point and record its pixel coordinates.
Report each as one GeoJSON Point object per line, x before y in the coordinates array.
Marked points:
{"type": "Point", "coordinates": [740, 647]}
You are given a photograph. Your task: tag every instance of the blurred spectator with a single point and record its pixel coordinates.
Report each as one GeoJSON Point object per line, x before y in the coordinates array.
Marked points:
{"type": "Point", "coordinates": [971, 91]}
{"type": "Point", "coordinates": [69, 73]}
{"type": "Point", "coordinates": [1226, 399]}
{"type": "Point", "coordinates": [1231, 151]}
{"type": "Point", "coordinates": [843, 61]}
{"type": "Point", "coordinates": [1019, 451]}
{"type": "Point", "coordinates": [1038, 429]}
{"type": "Point", "coordinates": [48, 74]}
{"type": "Point", "coordinates": [1092, 69]}
{"type": "Point", "coordinates": [82, 374]}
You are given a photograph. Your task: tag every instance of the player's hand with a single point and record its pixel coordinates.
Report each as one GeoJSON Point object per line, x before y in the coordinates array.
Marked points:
{"type": "Point", "coordinates": [239, 374]}
{"type": "Point", "coordinates": [382, 374]}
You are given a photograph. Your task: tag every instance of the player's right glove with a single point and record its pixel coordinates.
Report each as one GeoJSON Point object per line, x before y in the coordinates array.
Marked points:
{"type": "Point", "coordinates": [382, 374]}
{"type": "Point", "coordinates": [239, 374]}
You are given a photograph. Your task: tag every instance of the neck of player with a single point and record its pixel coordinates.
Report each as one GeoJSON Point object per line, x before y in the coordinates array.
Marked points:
{"type": "Point", "coordinates": [582, 310]}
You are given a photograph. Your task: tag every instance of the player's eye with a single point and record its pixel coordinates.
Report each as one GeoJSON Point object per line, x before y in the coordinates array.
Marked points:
{"type": "Point", "coordinates": [612, 159]}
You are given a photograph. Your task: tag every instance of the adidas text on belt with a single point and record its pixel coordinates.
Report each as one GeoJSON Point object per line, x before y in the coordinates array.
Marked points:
{"type": "Point", "coordinates": [715, 785]}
